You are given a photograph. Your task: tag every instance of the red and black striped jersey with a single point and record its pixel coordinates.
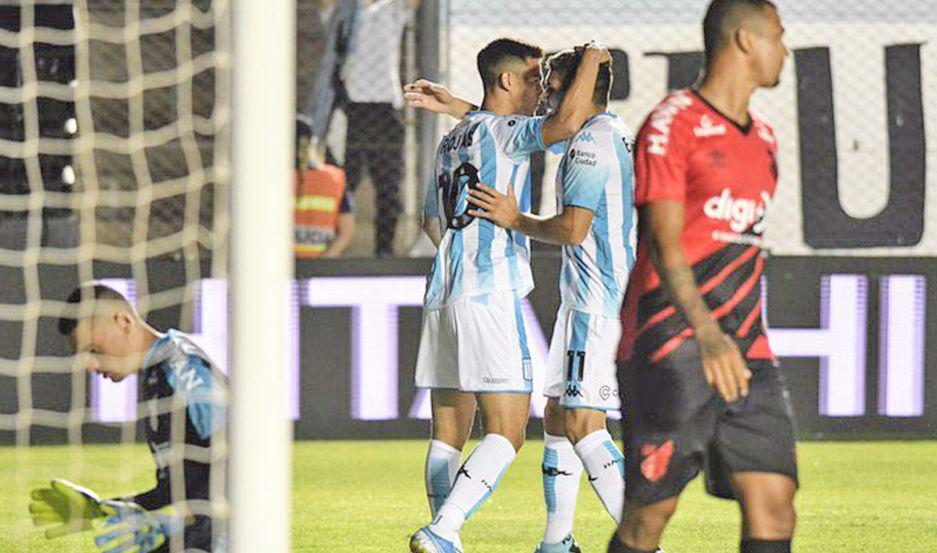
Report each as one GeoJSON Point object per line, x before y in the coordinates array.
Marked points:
{"type": "Point", "coordinates": [725, 176]}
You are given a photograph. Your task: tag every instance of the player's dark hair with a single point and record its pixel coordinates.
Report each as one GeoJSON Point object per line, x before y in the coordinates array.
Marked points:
{"type": "Point", "coordinates": [492, 58]}
{"type": "Point", "coordinates": [88, 292]}
{"type": "Point", "coordinates": [722, 18]}
{"type": "Point", "coordinates": [564, 64]}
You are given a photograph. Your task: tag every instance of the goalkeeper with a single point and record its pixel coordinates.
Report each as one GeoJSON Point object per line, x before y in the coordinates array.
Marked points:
{"type": "Point", "coordinates": [183, 400]}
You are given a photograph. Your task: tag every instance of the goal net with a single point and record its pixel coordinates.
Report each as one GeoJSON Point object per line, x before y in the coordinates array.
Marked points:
{"type": "Point", "coordinates": [114, 167]}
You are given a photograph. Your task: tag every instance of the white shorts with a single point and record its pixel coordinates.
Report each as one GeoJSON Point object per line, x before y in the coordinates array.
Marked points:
{"type": "Point", "coordinates": [476, 345]}
{"type": "Point", "coordinates": [581, 368]}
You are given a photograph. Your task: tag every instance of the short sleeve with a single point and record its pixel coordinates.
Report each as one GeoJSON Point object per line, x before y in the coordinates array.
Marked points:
{"type": "Point", "coordinates": [585, 171]}
{"type": "Point", "coordinates": [661, 160]}
{"type": "Point", "coordinates": [518, 136]}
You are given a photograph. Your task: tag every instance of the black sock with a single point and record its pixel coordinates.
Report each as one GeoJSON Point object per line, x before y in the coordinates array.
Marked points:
{"type": "Point", "coordinates": [765, 546]}
{"type": "Point", "coordinates": [615, 546]}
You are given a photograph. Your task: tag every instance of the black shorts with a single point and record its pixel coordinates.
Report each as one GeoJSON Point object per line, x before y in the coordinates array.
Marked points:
{"type": "Point", "coordinates": [675, 424]}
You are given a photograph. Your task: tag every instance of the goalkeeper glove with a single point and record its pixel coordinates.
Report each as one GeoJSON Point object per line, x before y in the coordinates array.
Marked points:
{"type": "Point", "coordinates": [129, 528]}
{"type": "Point", "coordinates": [70, 506]}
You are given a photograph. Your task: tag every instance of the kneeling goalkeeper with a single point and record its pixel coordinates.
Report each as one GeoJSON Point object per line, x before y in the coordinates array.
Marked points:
{"type": "Point", "coordinates": [183, 401]}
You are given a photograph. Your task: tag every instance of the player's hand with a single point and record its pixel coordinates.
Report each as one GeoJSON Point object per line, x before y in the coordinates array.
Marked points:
{"type": "Point", "coordinates": [723, 365]}
{"type": "Point", "coordinates": [128, 528]}
{"type": "Point", "coordinates": [500, 209]}
{"type": "Point", "coordinates": [424, 94]}
{"type": "Point", "coordinates": [597, 51]}
{"type": "Point", "coordinates": [69, 506]}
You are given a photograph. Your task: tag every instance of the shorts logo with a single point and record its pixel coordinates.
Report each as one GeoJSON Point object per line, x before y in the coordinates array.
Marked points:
{"type": "Point", "coordinates": [488, 380]}
{"type": "Point", "coordinates": [573, 391]}
{"type": "Point", "coordinates": [606, 392]}
{"type": "Point", "coordinates": [656, 460]}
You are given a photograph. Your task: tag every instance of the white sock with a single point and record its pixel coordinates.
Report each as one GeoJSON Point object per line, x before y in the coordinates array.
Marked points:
{"type": "Point", "coordinates": [476, 481]}
{"type": "Point", "coordinates": [442, 464]}
{"type": "Point", "coordinates": [562, 471]}
{"type": "Point", "coordinates": [606, 468]}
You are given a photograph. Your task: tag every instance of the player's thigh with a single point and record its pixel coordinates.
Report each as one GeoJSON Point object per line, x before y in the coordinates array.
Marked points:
{"type": "Point", "coordinates": [590, 345]}
{"type": "Point", "coordinates": [755, 434]}
{"type": "Point", "coordinates": [669, 419]}
{"type": "Point", "coordinates": [767, 502]}
{"type": "Point", "coordinates": [453, 416]}
{"type": "Point", "coordinates": [493, 355]}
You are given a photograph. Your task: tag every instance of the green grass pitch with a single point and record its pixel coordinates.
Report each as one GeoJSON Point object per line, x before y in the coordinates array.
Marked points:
{"type": "Point", "coordinates": [875, 497]}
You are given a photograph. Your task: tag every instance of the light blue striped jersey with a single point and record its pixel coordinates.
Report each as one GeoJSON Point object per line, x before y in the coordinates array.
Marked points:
{"type": "Point", "coordinates": [597, 174]}
{"type": "Point", "coordinates": [475, 256]}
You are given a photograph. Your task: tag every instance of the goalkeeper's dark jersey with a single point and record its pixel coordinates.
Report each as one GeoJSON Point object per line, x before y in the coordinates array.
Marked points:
{"type": "Point", "coordinates": [183, 409]}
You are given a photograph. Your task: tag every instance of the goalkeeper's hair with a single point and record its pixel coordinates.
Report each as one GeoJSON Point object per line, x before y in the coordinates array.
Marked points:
{"type": "Point", "coordinates": [565, 63]}
{"type": "Point", "coordinates": [492, 58]}
{"type": "Point", "coordinates": [93, 291]}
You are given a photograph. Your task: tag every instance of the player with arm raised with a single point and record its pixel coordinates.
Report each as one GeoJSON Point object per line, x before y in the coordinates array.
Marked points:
{"type": "Point", "coordinates": [473, 348]}
{"type": "Point", "coordinates": [701, 388]}
{"type": "Point", "coordinates": [184, 397]}
{"type": "Point", "coordinates": [595, 225]}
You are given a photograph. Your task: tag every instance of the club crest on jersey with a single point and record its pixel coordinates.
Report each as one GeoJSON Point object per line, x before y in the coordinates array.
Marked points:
{"type": "Point", "coordinates": [741, 213]}
{"type": "Point", "coordinates": [707, 129]}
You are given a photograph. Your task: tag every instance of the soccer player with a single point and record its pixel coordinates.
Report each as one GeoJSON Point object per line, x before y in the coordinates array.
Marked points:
{"type": "Point", "coordinates": [595, 225]}
{"type": "Point", "coordinates": [473, 348]}
{"type": "Point", "coordinates": [701, 388]}
{"type": "Point", "coordinates": [184, 397]}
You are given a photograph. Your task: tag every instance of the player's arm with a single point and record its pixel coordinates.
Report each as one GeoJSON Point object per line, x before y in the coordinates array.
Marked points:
{"type": "Point", "coordinates": [434, 97]}
{"type": "Point", "coordinates": [432, 230]}
{"type": "Point", "coordinates": [431, 225]}
{"type": "Point", "coordinates": [576, 106]}
{"type": "Point", "coordinates": [662, 227]}
{"type": "Point", "coordinates": [568, 228]}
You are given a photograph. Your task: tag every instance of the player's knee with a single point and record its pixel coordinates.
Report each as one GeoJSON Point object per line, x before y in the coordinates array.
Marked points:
{"type": "Point", "coordinates": [772, 518]}
{"type": "Point", "coordinates": [517, 440]}
{"type": "Point", "coordinates": [448, 434]}
{"type": "Point", "coordinates": [554, 418]}
{"type": "Point", "coordinates": [579, 423]}
{"type": "Point", "coordinates": [648, 521]}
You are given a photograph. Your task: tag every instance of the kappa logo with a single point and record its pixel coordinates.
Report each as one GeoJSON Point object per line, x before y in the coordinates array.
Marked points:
{"type": "Point", "coordinates": [707, 129]}
{"type": "Point", "coordinates": [573, 391]}
{"type": "Point", "coordinates": [587, 137]}
{"type": "Point", "coordinates": [656, 460]}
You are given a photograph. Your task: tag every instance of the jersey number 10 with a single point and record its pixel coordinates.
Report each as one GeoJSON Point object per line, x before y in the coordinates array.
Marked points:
{"type": "Point", "coordinates": [452, 185]}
